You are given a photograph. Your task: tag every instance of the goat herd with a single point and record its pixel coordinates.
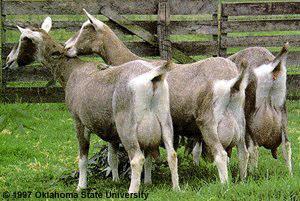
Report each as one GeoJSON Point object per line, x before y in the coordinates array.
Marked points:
{"type": "Point", "coordinates": [216, 103]}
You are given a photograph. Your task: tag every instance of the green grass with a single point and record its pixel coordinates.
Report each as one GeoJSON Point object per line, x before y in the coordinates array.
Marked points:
{"type": "Point", "coordinates": [35, 159]}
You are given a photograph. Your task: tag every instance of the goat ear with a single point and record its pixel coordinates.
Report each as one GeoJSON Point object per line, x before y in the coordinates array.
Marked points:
{"type": "Point", "coordinates": [22, 30]}
{"type": "Point", "coordinates": [26, 32]}
{"type": "Point", "coordinates": [94, 21]}
{"type": "Point", "coordinates": [47, 24]}
{"type": "Point", "coordinates": [279, 63]}
{"type": "Point", "coordinates": [30, 34]}
{"type": "Point", "coordinates": [91, 18]}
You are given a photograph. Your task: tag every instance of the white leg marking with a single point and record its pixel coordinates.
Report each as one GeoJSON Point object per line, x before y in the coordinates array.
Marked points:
{"type": "Point", "coordinates": [243, 156]}
{"type": "Point", "coordinates": [253, 156]}
{"type": "Point", "coordinates": [221, 163]}
{"type": "Point", "coordinates": [82, 173]}
{"type": "Point", "coordinates": [136, 164]}
{"type": "Point", "coordinates": [171, 155]}
{"type": "Point", "coordinates": [83, 136]}
{"type": "Point", "coordinates": [287, 153]}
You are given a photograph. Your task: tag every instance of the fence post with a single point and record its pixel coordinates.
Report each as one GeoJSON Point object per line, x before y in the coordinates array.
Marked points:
{"type": "Point", "coordinates": [215, 24]}
{"type": "Point", "coordinates": [163, 30]}
{"type": "Point", "coordinates": [3, 39]}
{"type": "Point", "coordinates": [222, 50]}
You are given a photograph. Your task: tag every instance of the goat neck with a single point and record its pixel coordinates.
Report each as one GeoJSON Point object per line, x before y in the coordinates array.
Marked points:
{"type": "Point", "coordinates": [114, 52]}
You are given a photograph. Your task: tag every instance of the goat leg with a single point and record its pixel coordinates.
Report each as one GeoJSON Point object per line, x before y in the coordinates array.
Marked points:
{"type": "Point", "coordinates": [211, 139]}
{"type": "Point", "coordinates": [197, 150]}
{"type": "Point", "coordinates": [83, 136]}
{"type": "Point", "coordinates": [113, 160]}
{"type": "Point", "coordinates": [167, 135]}
{"type": "Point", "coordinates": [243, 156]}
{"type": "Point", "coordinates": [287, 152]}
{"type": "Point", "coordinates": [253, 155]}
{"type": "Point", "coordinates": [136, 163]}
{"type": "Point", "coordinates": [148, 168]}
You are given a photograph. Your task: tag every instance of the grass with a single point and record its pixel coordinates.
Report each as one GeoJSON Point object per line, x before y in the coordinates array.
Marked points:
{"type": "Point", "coordinates": [34, 159]}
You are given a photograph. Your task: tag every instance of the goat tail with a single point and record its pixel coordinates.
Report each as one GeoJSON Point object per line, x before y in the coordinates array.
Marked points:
{"type": "Point", "coordinates": [241, 81]}
{"type": "Point", "coordinates": [155, 77]}
{"type": "Point", "coordinates": [167, 66]}
{"type": "Point", "coordinates": [161, 71]}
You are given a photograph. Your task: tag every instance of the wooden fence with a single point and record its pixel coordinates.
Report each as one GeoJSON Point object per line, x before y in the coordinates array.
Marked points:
{"type": "Point", "coordinates": [152, 36]}
{"type": "Point", "coordinates": [248, 10]}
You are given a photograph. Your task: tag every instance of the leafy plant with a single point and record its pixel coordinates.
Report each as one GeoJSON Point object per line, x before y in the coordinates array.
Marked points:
{"type": "Point", "coordinates": [16, 118]}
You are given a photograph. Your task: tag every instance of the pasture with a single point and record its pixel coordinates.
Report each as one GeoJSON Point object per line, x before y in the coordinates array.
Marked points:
{"type": "Point", "coordinates": [38, 145]}
{"type": "Point", "coordinates": [35, 156]}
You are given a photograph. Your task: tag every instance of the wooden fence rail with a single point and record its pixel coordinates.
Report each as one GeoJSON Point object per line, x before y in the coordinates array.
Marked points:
{"type": "Point", "coordinates": [248, 10]}
{"type": "Point", "coordinates": [152, 37]}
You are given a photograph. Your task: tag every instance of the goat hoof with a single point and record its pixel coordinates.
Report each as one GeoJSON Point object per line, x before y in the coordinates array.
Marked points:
{"type": "Point", "coordinates": [148, 183]}
{"type": "Point", "coordinates": [80, 188]}
{"type": "Point", "coordinates": [176, 188]}
{"type": "Point", "coordinates": [131, 192]}
{"type": "Point", "coordinates": [116, 179]}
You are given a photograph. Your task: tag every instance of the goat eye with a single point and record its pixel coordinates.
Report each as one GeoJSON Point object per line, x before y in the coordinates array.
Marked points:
{"type": "Point", "coordinates": [26, 39]}
{"type": "Point", "coordinates": [55, 54]}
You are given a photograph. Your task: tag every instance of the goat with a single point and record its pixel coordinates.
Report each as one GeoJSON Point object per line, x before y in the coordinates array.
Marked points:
{"type": "Point", "coordinates": [229, 98]}
{"type": "Point", "coordinates": [266, 113]}
{"type": "Point", "coordinates": [231, 119]}
{"type": "Point", "coordinates": [191, 86]}
{"type": "Point", "coordinates": [127, 103]}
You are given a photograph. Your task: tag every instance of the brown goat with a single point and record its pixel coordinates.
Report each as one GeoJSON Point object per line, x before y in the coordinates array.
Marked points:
{"type": "Point", "coordinates": [127, 103]}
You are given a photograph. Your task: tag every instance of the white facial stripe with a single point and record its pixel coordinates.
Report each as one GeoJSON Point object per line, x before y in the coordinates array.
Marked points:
{"type": "Point", "coordinates": [34, 35]}
{"type": "Point", "coordinates": [11, 61]}
{"type": "Point", "coordinates": [13, 54]}
{"type": "Point", "coordinates": [72, 41]}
